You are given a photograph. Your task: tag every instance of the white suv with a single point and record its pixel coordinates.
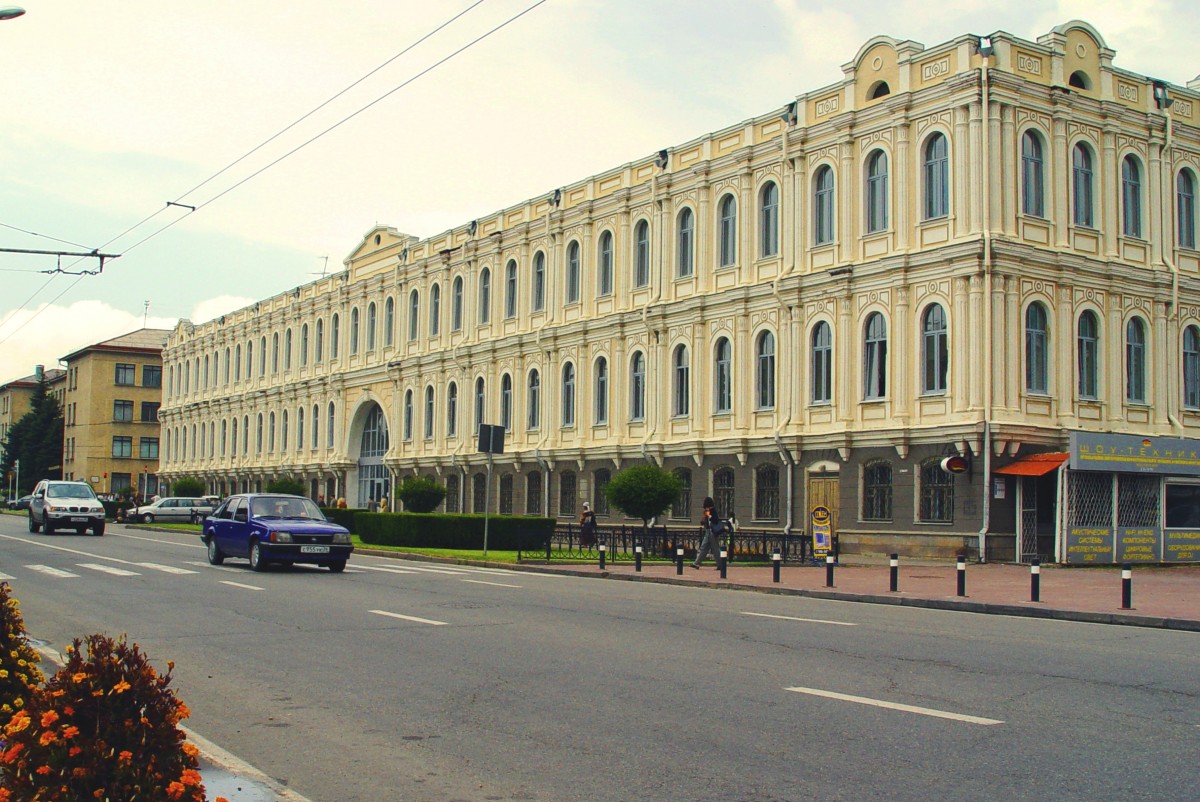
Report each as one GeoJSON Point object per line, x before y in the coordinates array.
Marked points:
{"type": "Point", "coordinates": [65, 505]}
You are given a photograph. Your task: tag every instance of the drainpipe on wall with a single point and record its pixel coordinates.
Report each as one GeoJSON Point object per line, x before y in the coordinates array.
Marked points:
{"type": "Point", "coordinates": [545, 466]}
{"type": "Point", "coordinates": [985, 50]}
{"type": "Point", "coordinates": [791, 466]}
{"type": "Point", "coordinates": [1168, 243]}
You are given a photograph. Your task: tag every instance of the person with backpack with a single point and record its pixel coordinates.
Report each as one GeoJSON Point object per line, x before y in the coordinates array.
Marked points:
{"type": "Point", "coordinates": [714, 530]}
{"type": "Point", "coordinates": [587, 526]}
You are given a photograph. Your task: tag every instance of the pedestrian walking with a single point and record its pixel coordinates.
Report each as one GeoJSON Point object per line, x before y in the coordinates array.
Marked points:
{"type": "Point", "coordinates": [587, 526]}
{"type": "Point", "coordinates": [714, 530]}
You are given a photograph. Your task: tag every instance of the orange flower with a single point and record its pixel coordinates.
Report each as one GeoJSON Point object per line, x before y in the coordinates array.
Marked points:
{"type": "Point", "coordinates": [175, 790]}
{"type": "Point", "coordinates": [80, 677]}
{"type": "Point", "coordinates": [43, 770]}
{"type": "Point", "coordinates": [125, 756]}
{"type": "Point", "coordinates": [73, 751]}
{"type": "Point", "coordinates": [5, 796]}
{"type": "Point", "coordinates": [184, 712]}
{"type": "Point", "coordinates": [48, 718]}
{"type": "Point", "coordinates": [68, 711]}
{"type": "Point", "coordinates": [190, 777]}
{"type": "Point", "coordinates": [47, 738]}
{"type": "Point", "coordinates": [190, 749]}
{"type": "Point", "coordinates": [121, 687]}
{"type": "Point", "coordinates": [12, 753]}
{"type": "Point", "coordinates": [19, 722]}
{"type": "Point", "coordinates": [70, 732]}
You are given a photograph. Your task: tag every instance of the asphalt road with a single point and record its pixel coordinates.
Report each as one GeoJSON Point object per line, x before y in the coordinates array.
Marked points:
{"type": "Point", "coordinates": [413, 681]}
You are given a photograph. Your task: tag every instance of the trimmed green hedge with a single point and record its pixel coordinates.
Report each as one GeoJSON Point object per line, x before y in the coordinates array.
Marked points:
{"type": "Point", "coordinates": [450, 531]}
{"type": "Point", "coordinates": [342, 517]}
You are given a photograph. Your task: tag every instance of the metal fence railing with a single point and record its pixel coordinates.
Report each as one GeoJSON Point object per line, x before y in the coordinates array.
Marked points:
{"type": "Point", "coordinates": [568, 541]}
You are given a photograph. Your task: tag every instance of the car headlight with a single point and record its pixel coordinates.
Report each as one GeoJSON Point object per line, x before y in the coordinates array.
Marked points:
{"type": "Point", "coordinates": [281, 537]}
{"type": "Point", "coordinates": [341, 538]}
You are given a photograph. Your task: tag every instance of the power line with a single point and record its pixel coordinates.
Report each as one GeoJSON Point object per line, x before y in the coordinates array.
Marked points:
{"type": "Point", "coordinates": [44, 236]}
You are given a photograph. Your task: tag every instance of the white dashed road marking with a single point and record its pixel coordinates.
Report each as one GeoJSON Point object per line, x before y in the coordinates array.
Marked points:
{"type": "Point", "coordinates": [240, 585]}
{"type": "Point", "coordinates": [412, 618]}
{"type": "Point", "coordinates": [6, 577]}
{"type": "Point", "coordinates": [58, 572]}
{"type": "Point", "coordinates": [924, 711]}
{"type": "Point", "coordinates": [805, 620]}
{"type": "Point", "coordinates": [387, 570]}
{"type": "Point", "coordinates": [108, 569]}
{"type": "Point", "coordinates": [493, 584]}
{"type": "Point", "coordinates": [166, 569]}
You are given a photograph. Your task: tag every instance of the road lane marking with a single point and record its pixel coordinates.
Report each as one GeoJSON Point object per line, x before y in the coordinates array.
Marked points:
{"type": "Point", "coordinates": [5, 577]}
{"type": "Point", "coordinates": [166, 542]}
{"type": "Point", "coordinates": [493, 584]}
{"type": "Point", "coordinates": [240, 585]}
{"type": "Point", "coordinates": [422, 570]}
{"type": "Point", "coordinates": [387, 570]}
{"type": "Point", "coordinates": [412, 618]}
{"type": "Point", "coordinates": [107, 569]}
{"type": "Point", "coordinates": [218, 567]}
{"type": "Point", "coordinates": [924, 711]}
{"type": "Point", "coordinates": [166, 569]}
{"type": "Point", "coordinates": [58, 572]}
{"type": "Point", "coordinates": [805, 620]}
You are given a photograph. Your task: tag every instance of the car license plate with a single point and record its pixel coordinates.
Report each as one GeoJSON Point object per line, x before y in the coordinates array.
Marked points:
{"type": "Point", "coordinates": [314, 549]}
{"type": "Point", "coordinates": [78, 520]}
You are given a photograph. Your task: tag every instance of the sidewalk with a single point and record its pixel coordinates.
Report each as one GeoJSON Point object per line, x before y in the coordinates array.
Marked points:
{"type": "Point", "coordinates": [1163, 597]}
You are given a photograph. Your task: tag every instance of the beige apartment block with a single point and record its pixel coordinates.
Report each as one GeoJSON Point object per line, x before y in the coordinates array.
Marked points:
{"type": "Point", "coordinates": [893, 297]}
{"type": "Point", "coordinates": [111, 413]}
{"type": "Point", "coordinates": [16, 395]}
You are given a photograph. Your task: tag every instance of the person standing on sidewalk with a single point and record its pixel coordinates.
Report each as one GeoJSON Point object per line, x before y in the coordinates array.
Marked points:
{"type": "Point", "coordinates": [714, 530]}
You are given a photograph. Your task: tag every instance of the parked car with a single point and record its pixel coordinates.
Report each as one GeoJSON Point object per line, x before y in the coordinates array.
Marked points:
{"type": "Point", "coordinates": [65, 505]}
{"type": "Point", "coordinates": [21, 503]}
{"type": "Point", "coordinates": [267, 528]}
{"type": "Point", "coordinates": [173, 508]}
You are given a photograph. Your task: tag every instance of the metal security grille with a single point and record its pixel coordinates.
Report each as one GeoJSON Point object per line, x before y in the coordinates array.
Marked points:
{"type": "Point", "coordinates": [1028, 518]}
{"type": "Point", "coordinates": [1138, 500]}
{"type": "Point", "coordinates": [1090, 499]}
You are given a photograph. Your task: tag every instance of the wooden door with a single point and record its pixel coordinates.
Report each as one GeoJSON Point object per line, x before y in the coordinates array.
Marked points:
{"type": "Point", "coordinates": [823, 492]}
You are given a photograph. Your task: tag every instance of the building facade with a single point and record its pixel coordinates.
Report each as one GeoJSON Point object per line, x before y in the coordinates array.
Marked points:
{"type": "Point", "coordinates": [15, 396]}
{"type": "Point", "coordinates": [965, 251]}
{"type": "Point", "coordinates": [113, 391]}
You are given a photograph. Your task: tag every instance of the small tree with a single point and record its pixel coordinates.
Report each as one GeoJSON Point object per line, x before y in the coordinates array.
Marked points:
{"type": "Point", "coordinates": [19, 672]}
{"type": "Point", "coordinates": [643, 491]}
{"type": "Point", "coordinates": [103, 727]}
{"type": "Point", "coordinates": [187, 486]}
{"type": "Point", "coordinates": [420, 494]}
{"type": "Point", "coordinates": [286, 484]}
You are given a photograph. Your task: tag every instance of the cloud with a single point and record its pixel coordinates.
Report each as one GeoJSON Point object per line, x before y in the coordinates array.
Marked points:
{"type": "Point", "coordinates": [215, 307]}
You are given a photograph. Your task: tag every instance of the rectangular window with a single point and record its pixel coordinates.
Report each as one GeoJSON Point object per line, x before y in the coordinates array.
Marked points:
{"type": "Point", "coordinates": [122, 447]}
{"type": "Point", "coordinates": [152, 374]}
{"type": "Point", "coordinates": [148, 448]}
{"type": "Point", "coordinates": [125, 374]}
{"type": "Point", "coordinates": [123, 411]}
{"type": "Point", "coordinates": [150, 411]}
{"type": "Point", "coordinates": [120, 482]}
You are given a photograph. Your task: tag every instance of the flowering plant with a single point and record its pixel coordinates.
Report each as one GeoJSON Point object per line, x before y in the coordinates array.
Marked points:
{"type": "Point", "coordinates": [105, 728]}
{"type": "Point", "coordinates": [19, 672]}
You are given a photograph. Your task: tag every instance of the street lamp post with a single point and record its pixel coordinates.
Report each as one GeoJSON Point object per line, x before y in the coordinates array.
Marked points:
{"type": "Point", "coordinates": [10, 12]}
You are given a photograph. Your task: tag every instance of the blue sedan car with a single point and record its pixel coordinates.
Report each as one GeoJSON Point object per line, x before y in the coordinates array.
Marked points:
{"type": "Point", "coordinates": [270, 528]}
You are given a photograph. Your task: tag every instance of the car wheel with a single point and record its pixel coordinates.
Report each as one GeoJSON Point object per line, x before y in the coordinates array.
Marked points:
{"type": "Point", "coordinates": [215, 557]}
{"type": "Point", "coordinates": [338, 567]}
{"type": "Point", "coordinates": [257, 563]}
{"type": "Point", "coordinates": [34, 526]}
{"type": "Point", "coordinates": [147, 518]}
{"type": "Point", "coordinates": [49, 527]}
{"type": "Point", "coordinates": [98, 529]}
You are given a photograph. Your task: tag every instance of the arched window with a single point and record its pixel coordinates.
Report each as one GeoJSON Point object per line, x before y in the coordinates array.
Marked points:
{"type": "Point", "coordinates": [766, 493]}
{"type": "Point", "coordinates": [233, 441]}
{"type": "Point", "coordinates": [936, 494]}
{"type": "Point", "coordinates": [228, 366]}
{"type": "Point", "coordinates": [452, 410]}
{"type": "Point", "coordinates": [937, 177]}
{"type": "Point", "coordinates": [506, 393]}
{"type": "Point", "coordinates": [537, 300]}
{"type": "Point", "coordinates": [822, 363]}
{"type": "Point", "coordinates": [534, 400]}
{"type": "Point", "coordinates": [435, 310]}
{"type": "Point", "coordinates": [452, 493]}
{"type": "Point", "coordinates": [479, 493]}
{"type": "Point", "coordinates": [389, 322]}
{"type": "Point", "coordinates": [768, 220]}
{"type": "Point", "coordinates": [604, 270]}
{"type": "Point", "coordinates": [637, 387]}
{"type": "Point", "coordinates": [1088, 346]}
{"type": "Point", "coordinates": [245, 435]}
{"type": "Point", "coordinates": [1036, 349]}
{"type": "Point", "coordinates": [682, 382]}
{"type": "Point", "coordinates": [682, 506]}
{"type": "Point", "coordinates": [205, 379]}
{"type": "Point", "coordinates": [283, 431]}
{"type": "Point", "coordinates": [429, 412]}
{"type": "Point", "coordinates": [304, 345]}
{"type": "Point", "coordinates": [316, 427]}
{"type": "Point", "coordinates": [728, 231]}
{"type": "Point", "coordinates": [572, 288]}
{"type": "Point", "coordinates": [600, 396]}
{"type": "Point", "coordinates": [249, 362]}
{"type": "Point", "coordinates": [287, 350]}
{"type": "Point", "coordinates": [567, 494]}
{"type": "Point", "coordinates": [319, 342]}
{"type": "Point", "coordinates": [333, 336]}
{"type": "Point", "coordinates": [877, 491]}
{"type": "Point", "coordinates": [274, 357]}
{"type": "Point", "coordinates": [823, 205]}
{"type": "Point", "coordinates": [879, 89]}
{"type": "Point", "coordinates": [723, 492]}
{"type": "Point", "coordinates": [329, 438]}
{"type": "Point", "coordinates": [299, 429]}
{"type": "Point", "coordinates": [1033, 175]}
{"type": "Point", "coordinates": [485, 296]}
{"type": "Point", "coordinates": [723, 376]}
{"type": "Point", "coordinates": [568, 394]}
{"type": "Point", "coordinates": [877, 192]}
{"type": "Point", "coordinates": [641, 259]}
{"type": "Point", "coordinates": [1079, 80]}
{"type": "Point", "coordinates": [408, 415]}
{"type": "Point", "coordinates": [237, 362]}
{"type": "Point", "coordinates": [1191, 367]}
{"type": "Point", "coordinates": [1131, 197]}
{"type": "Point", "coordinates": [764, 354]}
{"type": "Point", "coordinates": [601, 479]}
{"type": "Point", "coordinates": [1135, 361]}
{"type": "Point", "coordinates": [1185, 208]}
{"type": "Point", "coordinates": [480, 407]}
{"type": "Point", "coordinates": [262, 359]}
{"type": "Point", "coordinates": [1081, 186]}
{"type": "Point", "coordinates": [935, 356]}
{"type": "Point", "coordinates": [258, 435]}
{"type": "Point", "coordinates": [414, 314]}
{"type": "Point", "coordinates": [875, 357]}
{"type": "Point", "coordinates": [354, 331]}
{"type": "Point", "coordinates": [510, 289]}
{"type": "Point", "coordinates": [506, 494]}
{"type": "Point", "coordinates": [533, 493]}
{"type": "Point", "coordinates": [372, 320]}
{"type": "Point", "coordinates": [456, 305]}
{"type": "Point", "coordinates": [686, 243]}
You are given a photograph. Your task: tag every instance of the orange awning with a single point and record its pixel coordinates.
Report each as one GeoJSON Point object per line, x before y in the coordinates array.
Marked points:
{"type": "Point", "coordinates": [1034, 465]}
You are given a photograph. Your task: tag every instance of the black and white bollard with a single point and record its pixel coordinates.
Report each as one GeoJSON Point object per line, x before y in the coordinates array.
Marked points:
{"type": "Point", "coordinates": [776, 561]}
{"type": "Point", "coordinates": [894, 569]}
{"type": "Point", "coordinates": [679, 561]}
{"type": "Point", "coordinates": [1126, 586]}
{"type": "Point", "coordinates": [1035, 580]}
{"type": "Point", "coordinates": [723, 562]}
{"type": "Point", "coordinates": [603, 551]}
{"type": "Point", "coordinates": [637, 558]}
{"type": "Point", "coordinates": [828, 570]}
{"type": "Point", "coordinates": [962, 576]}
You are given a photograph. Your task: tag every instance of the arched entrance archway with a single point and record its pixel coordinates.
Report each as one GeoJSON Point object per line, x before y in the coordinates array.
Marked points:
{"type": "Point", "coordinates": [374, 479]}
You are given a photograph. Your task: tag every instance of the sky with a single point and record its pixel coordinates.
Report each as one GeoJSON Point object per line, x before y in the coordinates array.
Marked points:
{"type": "Point", "coordinates": [112, 110]}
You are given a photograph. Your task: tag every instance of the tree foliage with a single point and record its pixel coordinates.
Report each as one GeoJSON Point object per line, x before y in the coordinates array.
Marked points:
{"type": "Point", "coordinates": [420, 494]}
{"type": "Point", "coordinates": [286, 484]}
{"type": "Point", "coordinates": [187, 486]}
{"type": "Point", "coordinates": [643, 491]}
{"type": "Point", "coordinates": [36, 440]}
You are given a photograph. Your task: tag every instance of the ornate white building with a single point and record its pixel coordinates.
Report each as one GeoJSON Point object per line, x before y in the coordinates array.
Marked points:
{"type": "Point", "coordinates": [966, 250]}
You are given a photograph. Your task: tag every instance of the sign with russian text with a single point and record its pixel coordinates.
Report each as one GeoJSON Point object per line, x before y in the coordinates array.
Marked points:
{"type": "Point", "coordinates": [1181, 546]}
{"type": "Point", "coordinates": [1123, 453]}
{"type": "Point", "coordinates": [1086, 544]}
{"type": "Point", "coordinates": [1138, 544]}
{"type": "Point", "coordinates": [822, 531]}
